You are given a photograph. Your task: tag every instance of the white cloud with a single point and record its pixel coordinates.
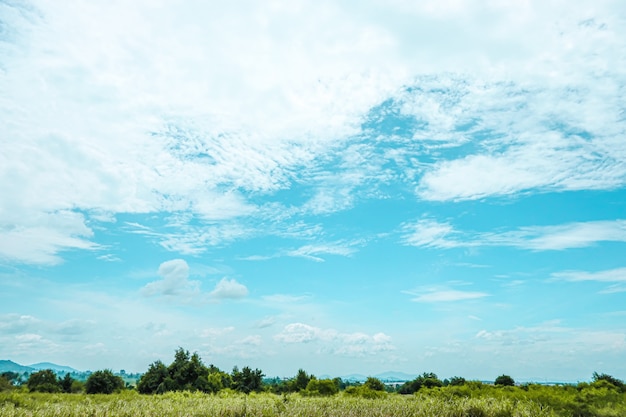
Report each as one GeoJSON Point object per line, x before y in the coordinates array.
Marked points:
{"type": "Point", "coordinates": [41, 236]}
{"type": "Point", "coordinates": [331, 341]}
{"type": "Point", "coordinates": [216, 332]}
{"type": "Point", "coordinates": [616, 277]}
{"type": "Point", "coordinates": [571, 235]}
{"type": "Point", "coordinates": [552, 337]}
{"type": "Point", "coordinates": [300, 333]}
{"type": "Point", "coordinates": [133, 115]}
{"type": "Point", "coordinates": [17, 323]}
{"type": "Point", "coordinates": [430, 233]}
{"type": "Point", "coordinates": [526, 150]}
{"type": "Point", "coordinates": [444, 295]}
{"type": "Point", "coordinates": [174, 282]}
{"type": "Point", "coordinates": [266, 322]}
{"type": "Point", "coordinates": [252, 340]}
{"type": "Point", "coordinates": [314, 251]}
{"type": "Point", "coordinates": [285, 298]}
{"type": "Point", "coordinates": [229, 288]}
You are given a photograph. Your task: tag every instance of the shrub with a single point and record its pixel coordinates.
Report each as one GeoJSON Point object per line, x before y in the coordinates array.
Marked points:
{"type": "Point", "coordinates": [505, 380]}
{"type": "Point", "coordinates": [323, 387]}
{"type": "Point", "coordinates": [43, 381]}
{"type": "Point", "coordinates": [103, 382]}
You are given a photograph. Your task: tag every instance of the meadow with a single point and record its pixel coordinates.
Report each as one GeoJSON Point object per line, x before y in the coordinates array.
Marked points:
{"type": "Point", "coordinates": [259, 405]}
{"type": "Point", "coordinates": [465, 401]}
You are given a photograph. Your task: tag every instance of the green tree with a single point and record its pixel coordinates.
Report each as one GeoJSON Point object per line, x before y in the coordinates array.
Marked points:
{"type": "Point", "coordinates": [77, 386]}
{"type": "Point", "coordinates": [150, 381]}
{"type": "Point", "coordinates": [426, 380]}
{"type": "Point", "coordinates": [66, 383]}
{"type": "Point", "coordinates": [301, 381]}
{"type": "Point", "coordinates": [188, 372]}
{"type": "Point", "coordinates": [214, 383]}
{"type": "Point", "coordinates": [5, 383]}
{"type": "Point", "coordinates": [610, 379]}
{"type": "Point", "coordinates": [103, 382]}
{"type": "Point", "coordinates": [43, 381]}
{"type": "Point", "coordinates": [374, 384]}
{"type": "Point", "coordinates": [456, 381]}
{"type": "Point", "coordinates": [324, 387]}
{"type": "Point", "coordinates": [430, 380]}
{"type": "Point", "coordinates": [505, 381]}
{"type": "Point", "coordinates": [247, 380]}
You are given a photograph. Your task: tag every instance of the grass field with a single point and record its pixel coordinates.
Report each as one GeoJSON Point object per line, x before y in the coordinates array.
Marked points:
{"type": "Point", "coordinates": [473, 399]}
{"type": "Point", "coordinates": [260, 405]}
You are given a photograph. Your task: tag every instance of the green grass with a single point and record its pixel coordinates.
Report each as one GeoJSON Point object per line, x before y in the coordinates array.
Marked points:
{"type": "Point", "coordinates": [261, 405]}
{"type": "Point", "coordinates": [473, 399]}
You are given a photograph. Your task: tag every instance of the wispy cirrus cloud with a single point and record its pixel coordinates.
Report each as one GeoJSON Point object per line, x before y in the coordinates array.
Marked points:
{"type": "Point", "coordinates": [611, 275]}
{"type": "Point", "coordinates": [616, 277]}
{"type": "Point", "coordinates": [128, 128]}
{"type": "Point", "coordinates": [431, 233]}
{"type": "Point", "coordinates": [443, 295]}
{"type": "Point", "coordinates": [315, 252]}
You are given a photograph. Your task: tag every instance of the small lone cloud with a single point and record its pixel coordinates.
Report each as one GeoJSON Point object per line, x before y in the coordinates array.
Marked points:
{"type": "Point", "coordinates": [229, 288]}
{"type": "Point", "coordinates": [174, 282]}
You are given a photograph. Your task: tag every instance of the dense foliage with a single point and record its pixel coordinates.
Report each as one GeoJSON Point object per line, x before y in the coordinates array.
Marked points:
{"type": "Point", "coordinates": [505, 381]}
{"type": "Point", "coordinates": [46, 381]}
{"type": "Point", "coordinates": [103, 382]}
{"type": "Point", "coordinates": [43, 381]}
{"type": "Point", "coordinates": [188, 373]}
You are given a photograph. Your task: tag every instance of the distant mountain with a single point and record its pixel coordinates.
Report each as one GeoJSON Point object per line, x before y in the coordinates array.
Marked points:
{"type": "Point", "coordinates": [56, 368]}
{"type": "Point", "coordinates": [10, 366]}
{"type": "Point", "coordinates": [354, 378]}
{"type": "Point", "coordinates": [393, 376]}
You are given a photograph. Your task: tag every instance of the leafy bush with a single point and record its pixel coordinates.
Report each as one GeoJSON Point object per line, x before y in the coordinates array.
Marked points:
{"type": "Point", "coordinates": [321, 387]}
{"type": "Point", "coordinates": [43, 381]}
{"type": "Point", "coordinates": [505, 380]}
{"type": "Point", "coordinates": [5, 384]}
{"type": "Point", "coordinates": [103, 382]}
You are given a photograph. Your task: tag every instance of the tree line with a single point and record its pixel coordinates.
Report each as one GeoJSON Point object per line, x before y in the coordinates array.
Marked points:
{"type": "Point", "coordinates": [187, 372]}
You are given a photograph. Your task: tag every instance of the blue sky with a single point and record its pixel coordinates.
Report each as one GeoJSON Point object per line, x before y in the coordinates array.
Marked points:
{"type": "Point", "coordinates": [394, 185]}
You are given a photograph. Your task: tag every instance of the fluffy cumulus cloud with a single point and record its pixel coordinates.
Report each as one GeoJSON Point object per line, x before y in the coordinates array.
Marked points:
{"type": "Point", "coordinates": [334, 342]}
{"type": "Point", "coordinates": [229, 288]}
{"type": "Point", "coordinates": [17, 323]}
{"type": "Point", "coordinates": [174, 281]}
{"type": "Point", "coordinates": [175, 284]}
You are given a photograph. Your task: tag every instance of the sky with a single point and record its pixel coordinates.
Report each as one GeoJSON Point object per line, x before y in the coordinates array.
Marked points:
{"type": "Point", "coordinates": [343, 187]}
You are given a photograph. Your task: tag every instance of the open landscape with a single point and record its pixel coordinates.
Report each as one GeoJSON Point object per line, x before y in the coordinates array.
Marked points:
{"type": "Point", "coordinates": [313, 208]}
{"type": "Point", "coordinates": [187, 387]}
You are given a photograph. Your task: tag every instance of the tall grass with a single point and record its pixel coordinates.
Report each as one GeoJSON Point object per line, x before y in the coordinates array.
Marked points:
{"type": "Point", "coordinates": [262, 405]}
